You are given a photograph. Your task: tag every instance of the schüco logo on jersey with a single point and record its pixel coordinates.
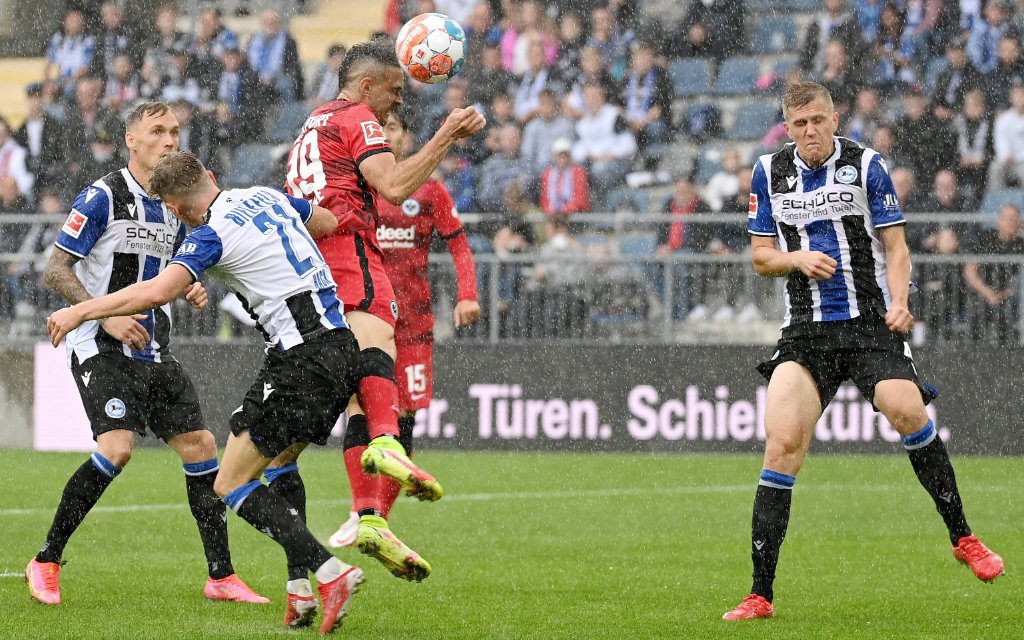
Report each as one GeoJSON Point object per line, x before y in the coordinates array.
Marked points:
{"type": "Point", "coordinates": [396, 237]}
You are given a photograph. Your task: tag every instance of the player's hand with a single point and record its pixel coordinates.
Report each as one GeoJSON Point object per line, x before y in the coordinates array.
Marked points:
{"type": "Point", "coordinates": [466, 312]}
{"type": "Point", "coordinates": [195, 295]}
{"type": "Point", "coordinates": [62, 322]}
{"type": "Point", "coordinates": [126, 329]}
{"type": "Point", "coordinates": [899, 319]}
{"type": "Point", "coordinates": [462, 123]}
{"type": "Point", "coordinates": [815, 264]}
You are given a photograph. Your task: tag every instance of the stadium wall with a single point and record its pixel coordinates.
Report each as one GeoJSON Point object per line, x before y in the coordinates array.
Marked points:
{"type": "Point", "coordinates": [577, 398]}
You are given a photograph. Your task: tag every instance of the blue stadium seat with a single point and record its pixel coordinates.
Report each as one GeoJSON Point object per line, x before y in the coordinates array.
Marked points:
{"type": "Point", "coordinates": [690, 76]}
{"type": "Point", "coordinates": [592, 239]}
{"type": "Point", "coordinates": [932, 71]}
{"type": "Point", "coordinates": [708, 164]}
{"type": "Point", "coordinates": [774, 34]}
{"type": "Point", "coordinates": [995, 198]}
{"type": "Point", "coordinates": [804, 5]}
{"type": "Point", "coordinates": [784, 65]}
{"type": "Point", "coordinates": [251, 164]}
{"type": "Point", "coordinates": [753, 119]}
{"type": "Point", "coordinates": [631, 199]}
{"type": "Point", "coordinates": [737, 76]}
{"type": "Point", "coordinates": [762, 6]}
{"type": "Point", "coordinates": [639, 244]}
{"type": "Point", "coordinates": [288, 122]}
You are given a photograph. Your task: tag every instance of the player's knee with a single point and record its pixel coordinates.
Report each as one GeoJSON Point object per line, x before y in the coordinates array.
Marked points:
{"type": "Point", "coordinates": [907, 420]}
{"type": "Point", "coordinates": [222, 485]}
{"type": "Point", "coordinates": [118, 453]}
{"type": "Point", "coordinates": [374, 362]}
{"type": "Point", "coordinates": [406, 425]}
{"type": "Point", "coordinates": [783, 445]}
{"type": "Point", "coordinates": [357, 432]}
{"type": "Point", "coordinates": [195, 446]}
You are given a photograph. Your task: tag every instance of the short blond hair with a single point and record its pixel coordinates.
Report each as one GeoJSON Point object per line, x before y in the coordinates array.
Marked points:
{"type": "Point", "coordinates": [176, 175]}
{"type": "Point", "coordinates": [802, 93]}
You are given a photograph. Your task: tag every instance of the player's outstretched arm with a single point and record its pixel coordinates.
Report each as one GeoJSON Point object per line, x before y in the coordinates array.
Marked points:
{"type": "Point", "coordinates": [770, 261]}
{"type": "Point", "coordinates": [171, 283]}
{"type": "Point", "coordinates": [396, 181]}
{"type": "Point", "coordinates": [322, 222]}
{"type": "Point", "coordinates": [897, 264]}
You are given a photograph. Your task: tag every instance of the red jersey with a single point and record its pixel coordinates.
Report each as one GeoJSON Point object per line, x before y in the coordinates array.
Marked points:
{"type": "Point", "coordinates": [404, 234]}
{"type": "Point", "coordinates": [323, 166]}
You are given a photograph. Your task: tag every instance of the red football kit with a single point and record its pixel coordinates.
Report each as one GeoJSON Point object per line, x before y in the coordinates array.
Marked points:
{"type": "Point", "coordinates": [405, 233]}
{"type": "Point", "coordinates": [323, 167]}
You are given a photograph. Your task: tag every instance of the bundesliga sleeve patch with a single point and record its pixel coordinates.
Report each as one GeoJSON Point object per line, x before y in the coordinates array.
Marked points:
{"type": "Point", "coordinates": [373, 133]}
{"type": "Point", "coordinates": [75, 223]}
{"type": "Point", "coordinates": [752, 209]}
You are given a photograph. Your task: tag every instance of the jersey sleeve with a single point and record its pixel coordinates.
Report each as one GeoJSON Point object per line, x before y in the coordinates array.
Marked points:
{"type": "Point", "coordinates": [759, 215]}
{"type": "Point", "coordinates": [86, 222]}
{"type": "Point", "coordinates": [303, 206]}
{"type": "Point", "coordinates": [885, 206]}
{"type": "Point", "coordinates": [200, 250]}
{"type": "Point", "coordinates": [446, 216]}
{"type": "Point", "coordinates": [363, 134]}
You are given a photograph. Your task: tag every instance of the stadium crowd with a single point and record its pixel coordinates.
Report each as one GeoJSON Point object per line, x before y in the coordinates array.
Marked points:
{"type": "Point", "coordinates": [601, 106]}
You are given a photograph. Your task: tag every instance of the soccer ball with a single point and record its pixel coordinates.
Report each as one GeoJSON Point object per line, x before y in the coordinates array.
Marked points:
{"type": "Point", "coordinates": [431, 48]}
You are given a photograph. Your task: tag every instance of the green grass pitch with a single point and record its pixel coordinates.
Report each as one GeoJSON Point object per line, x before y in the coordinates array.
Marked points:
{"type": "Point", "coordinates": [540, 546]}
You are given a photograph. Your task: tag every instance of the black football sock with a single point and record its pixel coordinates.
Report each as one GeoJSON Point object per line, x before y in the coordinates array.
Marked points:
{"type": "Point", "coordinates": [210, 514]}
{"type": "Point", "coordinates": [931, 463]}
{"type": "Point", "coordinates": [272, 515]}
{"type": "Point", "coordinates": [286, 482]}
{"type": "Point", "coordinates": [768, 529]}
{"type": "Point", "coordinates": [81, 493]}
{"type": "Point", "coordinates": [406, 425]}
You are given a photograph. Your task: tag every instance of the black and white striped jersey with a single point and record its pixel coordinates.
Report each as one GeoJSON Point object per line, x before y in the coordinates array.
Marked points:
{"type": "Point", "coordinates": [122, 236]}
{"type": "Point", "coordinates": [837, 209]}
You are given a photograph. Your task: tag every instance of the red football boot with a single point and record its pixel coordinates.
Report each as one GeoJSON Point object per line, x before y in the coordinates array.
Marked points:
{"type": "Point", "coordinates": [985, 563]}
{"type": "Point", "coordinates": [753, 606]}
{"type": "Point", "coordinates": [337, 594]}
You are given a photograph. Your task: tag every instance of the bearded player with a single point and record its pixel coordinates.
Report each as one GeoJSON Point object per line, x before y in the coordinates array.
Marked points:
{"type": "Point", "coordinates": [405, 233]}
{"type": "Point", "coordinates": [341, 161]}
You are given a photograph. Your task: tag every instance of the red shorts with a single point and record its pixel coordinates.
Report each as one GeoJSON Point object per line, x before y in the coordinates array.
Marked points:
{"type": "Point", "coordinates": [363, 284]}
{"type": "Point", "coordinates": [414, 373]}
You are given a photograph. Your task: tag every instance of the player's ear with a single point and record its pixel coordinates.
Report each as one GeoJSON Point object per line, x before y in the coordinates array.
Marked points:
{"type": "Point", "coordinates": [213, 178]}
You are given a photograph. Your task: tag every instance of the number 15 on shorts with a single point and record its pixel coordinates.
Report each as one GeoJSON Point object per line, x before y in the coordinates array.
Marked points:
{"type": "Point", "coordinates": [416, 374]}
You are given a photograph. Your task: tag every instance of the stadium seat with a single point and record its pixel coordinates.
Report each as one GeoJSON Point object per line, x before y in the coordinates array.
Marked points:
{"type": "Point", "coordinates": [753, 119]}
{"type": "Point", "coordinates": [592, 239]}
{"type": "Point", "coordinates": [709, 162]}
{"type": "Point", "coordinates": [288, 122]}
{"type": "Point", "coordinates": [803, 5]}
{"type": "Point", "coordinates": [690, 76]}
{"type": "Point", "coordinates": [640, 244]}
{"type": "Point", "coordinates": [995, 198]}
{"type": "Point", "coordinates": [933, 69]}
{"type": "Point", "coordinates": [626, 199]}
{"type": "Point", "coordinates": [784, 65]}
{"type": "Point", "coordinates": [762, 6]}
{"type": "Point", "coordinates": [774, 34]}
{"type": "Point", "coordinates": [737, 76]}
{"type": "Point", "coordinates": [251, 163]}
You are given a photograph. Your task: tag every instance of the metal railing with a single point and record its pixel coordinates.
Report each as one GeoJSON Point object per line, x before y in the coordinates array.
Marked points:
{"type": "Point", "coordinates": [606, 298]}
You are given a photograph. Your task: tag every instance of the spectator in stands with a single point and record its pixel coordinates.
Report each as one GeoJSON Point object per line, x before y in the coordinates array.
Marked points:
{"type": "Point", "coordinates": [883, 141]}
{"type": "Point", "coordinates": [920, 18]}
{"type": "Point", "coordinates": [274, 56]}
{"type": "Point", "coordinates": [592, 71]}
{"type": "Point", "coordinates": [894, 62]}
{"type": "Point", "coordinates": [866, 116]}
{"type": "Point", "coordinates": [940, 310]}
{"type": "Point", "coordinates": [151, 81]}
{"type": "Point", "coordinates": [122, 84]}
{"type": "Point", "coordinates": [838, 77]}
{"type": "Point", "coordinates": [501, 170]}
{"type": "Point", "coordinates": [904, 183]}
{"type": "Point", "coordinates": [85, 118]}
{"type": "Point", "coordinates": [481, 32]}
{"type": "Point", "coordinates": [42, 137]}
{"type": "Point", "coordinates": [556, 265]}
{"type": "Point", "coordinates": [538, 77]}
{"type": "Point", "coordinates": [869, 17]}
{"type": "Point", "coordinates": [498, 117]}
{"type": "Point", "coordinates": [165, 39]}
{"type": "Point", "coordinates": [1007, 169]}
{"type": "Point", "coordinates": [564, 188]}
{"type": "Point", "coordinates": [997, 285]}
{"type": "Point", "coordinates": [489, 79]}
{"type": "Point", "coordinates": [206, 46]}
{"type": "Point", "coordinates": [514, 235]}
{"type": "Point", "coordinates": [12, 200]}
{"type": "Point", "coordinates": [114, 39]}
{"type": "Point", "coordinates": [987, 33]}
{"type": "Point", "coordinates": [610, 40]}
{"type": "Point", "coordinates": [195, 134]}
{"type": "Point", "coordinates": [955, 81]}
{"type": "Point", "coordinates": [34, 242]}
{"type": "Point", "coordinates": [604, 142]}
{"type": "Point", "coordinates": [648, 98]}
{"type": "Point", "coordinates": [924, 142]}
{"type": "Point", "coordinates": [70, 53]}
{"type": "Point", "coordinates": [834, 23]}
{"type": "Point", "coordinates": [539, 132]}
{"type": "Point", "coordinates": [526, 27]}
{"type": "Point", "coordinates": [572, 39]}
{"type": "Point", "coordinates": [945, 197]}
{"type": "Point", "coordinates": [1009, 72]}
{"type": "Point", "coordinates": [102, 157]}
{"type": "Point", "coordinates": [239, 116]}
{"type": "Point", "coordinates": [723, 184]}
{"type": "Point", "coordinates": [13, 165]}
{"type": "Point", "coordinates": [179, 83]}
{"type": "Point", "coordinates": [460, 179]}
{"type": "Point", "coordinates": [324, 86]}
{"type": "Point", "coordinates": [973, 129]}
{"type": "Point", "coordinates": [730, 239]}
{"type": "Point", "coordinates": [710, 29]}
{"type": "Point", "coordinates": [677, 237]}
